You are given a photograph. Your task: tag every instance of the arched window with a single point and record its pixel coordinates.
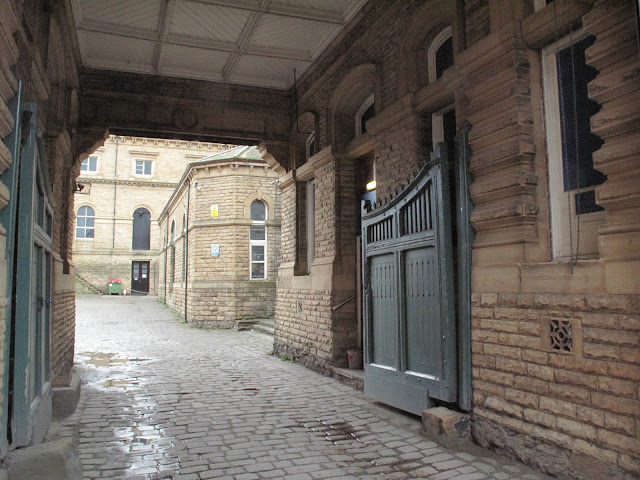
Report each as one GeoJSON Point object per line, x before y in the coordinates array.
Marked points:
{"type": "Point", "coordinates": [258, 240]}
{"type": "Point", "coordinates": [141, 239]}
{"type": "Point", "coordinates": [440, 54]}
{"type": "Point", "coordinates": [310, 147]}
{"type": "Point", "coordinates": [85, 222]}
{"type": "Point", "coordinates": [366, 111]}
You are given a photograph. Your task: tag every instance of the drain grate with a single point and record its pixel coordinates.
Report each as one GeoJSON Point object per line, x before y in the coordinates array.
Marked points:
{"type": "Point", "coordinates": [334, 432]}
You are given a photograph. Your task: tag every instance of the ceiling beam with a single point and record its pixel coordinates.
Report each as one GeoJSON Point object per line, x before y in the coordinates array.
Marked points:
{"type": "Point", "coordinates": [317, 15]}
{"type": "Point", "coordinates": [194, 42]}
{"type": "Point", "coordinates": [246, 34]}
{"type": "Point", "coordinates": [164, 20]}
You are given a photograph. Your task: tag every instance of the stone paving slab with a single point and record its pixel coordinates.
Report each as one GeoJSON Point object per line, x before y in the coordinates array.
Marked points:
{"type": "Point", "coordinates": [161, 400]}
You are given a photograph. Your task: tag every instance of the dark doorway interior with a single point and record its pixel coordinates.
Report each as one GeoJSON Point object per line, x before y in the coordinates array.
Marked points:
{"type": "Point", "coordinates": [139, 278]}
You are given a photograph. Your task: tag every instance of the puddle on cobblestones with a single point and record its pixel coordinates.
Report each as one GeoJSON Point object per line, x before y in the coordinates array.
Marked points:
{"type": "Point", "coordinates": [123, 383]}
{"type": "Point", "coordinates": [101, 359]}
{"type": "Point", "coordinates": [136, 436]}
{"type": "Point", "coordinates": [334, 432]}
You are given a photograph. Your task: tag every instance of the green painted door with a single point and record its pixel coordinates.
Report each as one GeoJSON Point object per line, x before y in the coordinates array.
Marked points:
{"type": "Point", "coordinates": [30, 363]}
{"type": "Point", "coordinates": [408, 276]}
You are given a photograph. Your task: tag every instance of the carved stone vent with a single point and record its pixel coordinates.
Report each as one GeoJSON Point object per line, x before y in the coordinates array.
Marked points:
{"type": "Point", "coordinates": [560, 335]}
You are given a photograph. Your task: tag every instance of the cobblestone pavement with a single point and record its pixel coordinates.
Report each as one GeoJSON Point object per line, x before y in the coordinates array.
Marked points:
{"type": "Point", "coordinates": [161, 400]}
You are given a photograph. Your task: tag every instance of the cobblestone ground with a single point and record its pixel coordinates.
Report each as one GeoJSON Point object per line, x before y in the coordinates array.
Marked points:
{"type": "Point", "coordinates": [161, 400]}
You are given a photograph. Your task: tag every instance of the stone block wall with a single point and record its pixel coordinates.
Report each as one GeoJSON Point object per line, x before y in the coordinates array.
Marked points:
{"type": "Point", "coordinates": [303, 327]}
{"type": "Point", "coordinates": [219, 289]}
{"type": "Point", "coordinates": [48, 79]}
{"type": "Point", "coordinates": [114, 191]}
{"type": "Point", "coordinates": [571, 413]}
{"type": "Point", "coordinates": [223, 304]}
{"type": "Point", "coordinates": [63, 333]}
{"type": "Point", "coordinates": [579, 394]}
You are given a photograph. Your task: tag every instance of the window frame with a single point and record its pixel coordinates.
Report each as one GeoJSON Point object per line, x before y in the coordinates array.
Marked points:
{"type": "Point", "coordinates": [364, 106]}
{"type": "Point", "coordinates": [85, 228]}
{"type": "Point", "coordinates": [258, 243]}
{"type": "Point", "coordinates": [437, 42]}
{"type": "Point", "coordinates": [309, 142]}
{"type": "Point", "coordinates": [144, 163]}
{"type": "Point", "coordinates": [88, 171]}
{"type": "Point", "coordinates": [564, 221]}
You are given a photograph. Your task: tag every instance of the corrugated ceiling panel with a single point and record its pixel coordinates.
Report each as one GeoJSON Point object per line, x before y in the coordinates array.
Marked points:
{"type": "Point", "coordinates": [121, 53]}
{"type": "Point", "coordinates": [287, 32]}
{"type": "Point", "coordinates": [267, 72]}
{"type": "Point", "coordinates": [192, 62]}
{"type": "Point", "coordinates": [142, 14]}
{"type": "Point", "coordinates": [207, 21]}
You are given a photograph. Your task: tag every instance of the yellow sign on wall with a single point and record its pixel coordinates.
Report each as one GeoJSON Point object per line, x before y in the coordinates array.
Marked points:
{"type": "Point", "coordinates": [214, 210]}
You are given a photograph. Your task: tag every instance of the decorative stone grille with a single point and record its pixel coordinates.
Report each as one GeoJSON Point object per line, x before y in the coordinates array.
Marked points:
{"type": "Point", "coordinates": [560, 335]}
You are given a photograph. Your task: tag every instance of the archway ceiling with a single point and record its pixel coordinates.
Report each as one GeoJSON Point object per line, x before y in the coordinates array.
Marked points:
{"type": "Point", "coordinates": [246, 42]}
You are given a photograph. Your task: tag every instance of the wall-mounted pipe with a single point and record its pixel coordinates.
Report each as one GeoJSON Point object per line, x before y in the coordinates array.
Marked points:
{"type": "Point", "coordinates": [186, 253]}
{"type": "Point", "coordinates": [166, 244]}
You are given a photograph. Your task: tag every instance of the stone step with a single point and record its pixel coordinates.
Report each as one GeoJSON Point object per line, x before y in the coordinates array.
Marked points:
{"type": "Point", "coordinates": [86, 287]}
{"type": "Point", "coordinates": [265, 325]}
{"type": "Point", "coordinates": [446, 427]}
{"type": "Point", "coordinates": [351, 377]}
{"type": "Point", "coordinates": [54, 460]}
{"type": "Point", "coordinates": [245, 324]}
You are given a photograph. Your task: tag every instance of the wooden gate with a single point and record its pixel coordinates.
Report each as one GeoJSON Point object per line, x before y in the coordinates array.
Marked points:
{"type": "Point", "coordinates": [409, 298]}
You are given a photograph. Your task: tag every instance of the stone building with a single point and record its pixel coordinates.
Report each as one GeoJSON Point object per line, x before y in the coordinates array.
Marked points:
{"type": "Point", "coordinates": [537, 105]}
{"type": "Point", "coordinates": [221, 249]}
{"type": "Point", "coordinates": [125, 183]}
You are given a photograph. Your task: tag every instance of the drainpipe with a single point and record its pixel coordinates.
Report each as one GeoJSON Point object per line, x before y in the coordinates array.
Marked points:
{"type": "Point", "coordinates": [186, 253]}
{"type": "Point", "coordinates": [115, 191]}
{"type": "Point", "coordinates": [166, 244]}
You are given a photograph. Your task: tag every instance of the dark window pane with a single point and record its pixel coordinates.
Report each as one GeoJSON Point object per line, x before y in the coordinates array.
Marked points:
{"type": "Point", "coordinates": [89, 233]}
{"type": "Point", "coordinates": [257, 270]}
{"type": "Point", "coordinates": [141, 239]}
{"type": "Point", "coordinates": [444, 57]}
{"type": "Point", "coordinates": [367, 115]}
{"type": "Point", "coordinates": [257, 232]}
{"type": "Point", "coordinates": [586, 202]}
{"type": "Point", "coordinates": [576, 109]}
{"type": "Point", "coordinates": [258, 211]}
{"type": "Point", "coordinates": [257, 253]}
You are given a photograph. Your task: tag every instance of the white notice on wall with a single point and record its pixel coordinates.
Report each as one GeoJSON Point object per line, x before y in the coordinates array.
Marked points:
{"type": "Point", "coordinates": [215, 250]}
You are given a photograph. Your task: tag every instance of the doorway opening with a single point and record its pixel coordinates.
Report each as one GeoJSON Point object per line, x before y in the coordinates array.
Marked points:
{"type": "Point", "coordinates": [139, 278]}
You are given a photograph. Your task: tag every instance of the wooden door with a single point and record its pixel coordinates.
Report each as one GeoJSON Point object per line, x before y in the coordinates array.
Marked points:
{"type": "Point", "coordinates": [29, 357]}
{"type": "Point", "coordinates": [408, 276]}
{"type": "Point", "coordinates": [139, 278]}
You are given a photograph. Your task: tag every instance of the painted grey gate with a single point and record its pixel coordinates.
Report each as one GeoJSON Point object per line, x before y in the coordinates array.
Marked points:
{"type": "Point", "coordinates": [29, 383]}
{"type": "Point", "coordinates": [409, 307]}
